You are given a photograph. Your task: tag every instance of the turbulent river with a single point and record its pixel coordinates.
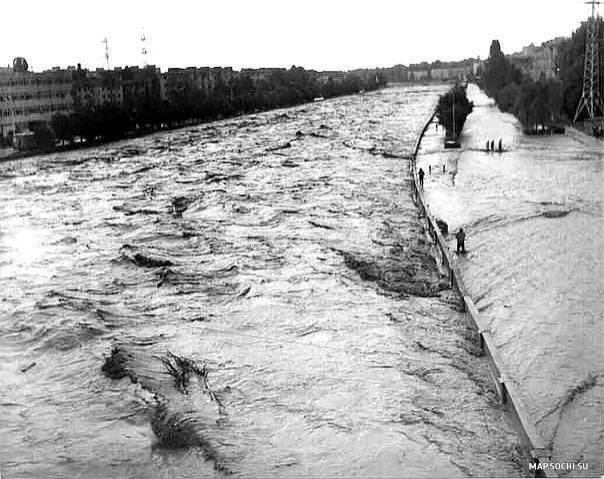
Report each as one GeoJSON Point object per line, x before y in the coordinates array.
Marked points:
{"type": "Point", "coordinates": [534, 223]}
{"type": "Point", "coordinates": [256, 297]}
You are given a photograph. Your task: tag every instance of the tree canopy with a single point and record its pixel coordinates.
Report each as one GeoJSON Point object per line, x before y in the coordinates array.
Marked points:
{"type": "Point", "coordinates": [545, 101]}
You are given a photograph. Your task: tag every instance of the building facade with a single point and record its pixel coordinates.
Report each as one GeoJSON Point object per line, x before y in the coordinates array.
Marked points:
{"type": "Point", "coordinates": [539, 62]}
{"type": "Point", "coordinates": [27, 98]}
{"type": "Point", "coordinates": [454, 73]}
{"type": "Point", "coordinates": [419, 75]}
{"type": "Point", "coordinates": [97, 89]}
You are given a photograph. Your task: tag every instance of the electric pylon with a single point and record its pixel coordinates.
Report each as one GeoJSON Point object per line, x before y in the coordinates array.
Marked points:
{"type": "Point", "coordinates": [591, 98]}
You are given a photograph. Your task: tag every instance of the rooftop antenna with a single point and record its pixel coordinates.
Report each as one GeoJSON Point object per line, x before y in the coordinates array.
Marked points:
{"type": "Point", "coordinates": [144, 50]}
{"type": "Point", "coordinates": [591, 97]}
{"type": "Point", "coordinates": [106, 42]}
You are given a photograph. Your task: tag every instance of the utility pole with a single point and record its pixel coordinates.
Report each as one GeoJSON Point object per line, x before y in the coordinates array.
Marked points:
{"type": "Point", "coordinates": [106, 42]}
{"type": "Point", "coordinates": [591, 98]}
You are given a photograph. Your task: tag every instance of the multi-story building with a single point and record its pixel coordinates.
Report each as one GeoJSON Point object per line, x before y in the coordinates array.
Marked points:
{"type": "Point", "coordinates": [331, 76]}
{"type": "Point", "coordinates": [418, 75]}
{"type": "Point", "coordinates": [27, 97]}
{"type": "Point", "coordinates": [261, 74]}
{"type": "Point", "coordinates": [453, 73]}
{"type": "Point", "coordinates": [179, 81]}
{"type": "Point", "coordinates": [539, 62]}
{"type": "Point", "coordinates": [140, 84]}
{"type": "Point", "coordinates": [97, 89]}
{"type": "Point", "coordinates": [396, 74]}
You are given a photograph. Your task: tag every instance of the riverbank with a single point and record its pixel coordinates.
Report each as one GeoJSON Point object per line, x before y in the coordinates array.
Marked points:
{"type": "Point", "coordinates": [532, 215]}
{"type": "Point", "coordinates": [159, 125]}
{"type": "Point", "coordinates": [506, 389]}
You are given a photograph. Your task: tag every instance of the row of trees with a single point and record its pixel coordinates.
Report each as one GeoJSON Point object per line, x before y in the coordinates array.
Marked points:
{"type": "Point", "coordinates": [282, 88]}
{"type": "Point", "coordinates": [533, 103]}
{"type": "Point", "coordinates": [452, 110]}
{"type": "Point", "coordinates": [543, 102]}
{"type": "Point", "coordinates": [571, 64]}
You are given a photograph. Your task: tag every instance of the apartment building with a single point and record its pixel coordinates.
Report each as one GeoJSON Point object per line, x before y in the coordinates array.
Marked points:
{"type": "Point", "coordinates": [27, 97]}
{"type": "Point", "coordinates": [539, 61]}
{"type": "Point", "coordinates": [97, 88]}
{"type": "Point", "coordinates": [418, 75]}
{"type": "Point", "coordinates": [453, 73]}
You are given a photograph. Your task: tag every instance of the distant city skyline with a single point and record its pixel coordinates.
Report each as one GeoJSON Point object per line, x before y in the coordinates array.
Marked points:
{"type": "Point", "coordinates": [321, 35]}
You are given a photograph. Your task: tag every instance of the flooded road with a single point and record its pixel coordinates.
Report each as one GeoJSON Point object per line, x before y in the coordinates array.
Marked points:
{"type": "Point", "coordinates": [534, 223]}
{"type": "Point", "coordinates": [253, 297]}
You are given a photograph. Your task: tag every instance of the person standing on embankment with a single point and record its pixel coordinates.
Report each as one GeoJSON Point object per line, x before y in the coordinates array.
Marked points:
{"type": "Point", "coordinates": [461, 241]}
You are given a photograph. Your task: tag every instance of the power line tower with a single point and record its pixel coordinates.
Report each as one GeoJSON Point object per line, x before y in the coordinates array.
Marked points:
{"type": "Point", "coordinates": [591, 98]}
{"type": "Point", "coordinates": [106, 42]}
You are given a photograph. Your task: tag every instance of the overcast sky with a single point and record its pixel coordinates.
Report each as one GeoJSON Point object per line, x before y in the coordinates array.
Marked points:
{"type": "Point", "coordinates": [319, 34]}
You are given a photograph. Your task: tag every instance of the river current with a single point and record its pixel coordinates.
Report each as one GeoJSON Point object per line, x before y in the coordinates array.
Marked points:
{"type": "Point", "coordinates": [534, 223]}
{"type": "Point", "coordinates": [254, 296]}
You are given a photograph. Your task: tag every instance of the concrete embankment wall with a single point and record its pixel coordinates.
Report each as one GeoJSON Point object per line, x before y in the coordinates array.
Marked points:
{"type": "Point", "coordinates": [506, 388]}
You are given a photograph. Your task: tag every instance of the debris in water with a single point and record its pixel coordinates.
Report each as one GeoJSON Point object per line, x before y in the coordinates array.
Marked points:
{"type": "Point", "coordinates": [182, 369]}
{"type": "Point", "coordinates": [589, 382]}
{"type": "Point", "coordinates": [556, 213]}
{"type": "Point", "coordinates": [143, 260]}
{"type": "Point", "coordinates": [319, 225]}
{"type": "Point", "coordinates": [180, 205]}
{"type": "Point", "coordinates": [115, 365]}
{"type": "Point", "coordinates": [411, 272]}
{"type": "Point", "coordinates": [148, 262]}
{"type": "Point", "coordinates": [280, 147]}
{"type": "Point", "coordinates": [442, 226]}
{"type": "Point", "coordinates": [244, 291]}
{"type": "Point", "coordinates": [28, 367]}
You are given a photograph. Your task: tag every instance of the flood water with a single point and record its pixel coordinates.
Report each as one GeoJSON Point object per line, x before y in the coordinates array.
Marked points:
{"type": "Point", "coordinates": [534, 223]}
{"type": "Point", "coordinates": [268, 293]}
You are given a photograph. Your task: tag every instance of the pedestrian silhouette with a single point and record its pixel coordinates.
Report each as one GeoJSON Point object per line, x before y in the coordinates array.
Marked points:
{"type": "Point", "coordinates": [430, 169]}
{"type": "Point", "coordinates": [443, 167]}
{"type": "Point", "coordinates": [421, 177]}
{"type": "Point", "coordinates": [461, 239]}
{"type": "Point", "coordinates": [492, 145]}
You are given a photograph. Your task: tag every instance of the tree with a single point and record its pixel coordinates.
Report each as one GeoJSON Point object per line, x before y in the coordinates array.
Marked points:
{"type": "Point", "coordinates": [62, 125]}
{"type": "Point", "coordinates": [43, 136]}
{"type": "Point", "coordinates": [495, 50]}
{"type": "Point", "coordinates": [452, 110]}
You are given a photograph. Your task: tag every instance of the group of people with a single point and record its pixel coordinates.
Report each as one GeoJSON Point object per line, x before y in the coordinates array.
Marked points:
{"type": "Point", "coordinates": [421, 174]}
{"type": "Point", "coordinates": [490, 146]}
{"type": "Point", "coordinates": [461, 234]}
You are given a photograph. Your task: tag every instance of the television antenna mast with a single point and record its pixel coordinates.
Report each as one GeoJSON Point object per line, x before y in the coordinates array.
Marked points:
{"type": "Point", "coordinates": [591, 96]}
{"type": "Point", "coordinates": [106, 42]}
{"type": "Point", "coordinates": [144, 50]}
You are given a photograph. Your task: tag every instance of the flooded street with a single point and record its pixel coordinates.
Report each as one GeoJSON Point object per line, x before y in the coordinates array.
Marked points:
{"type": "Point", "coordinates": [534, 222]}
{"type": "Point", "coordinates": [256, 297]}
